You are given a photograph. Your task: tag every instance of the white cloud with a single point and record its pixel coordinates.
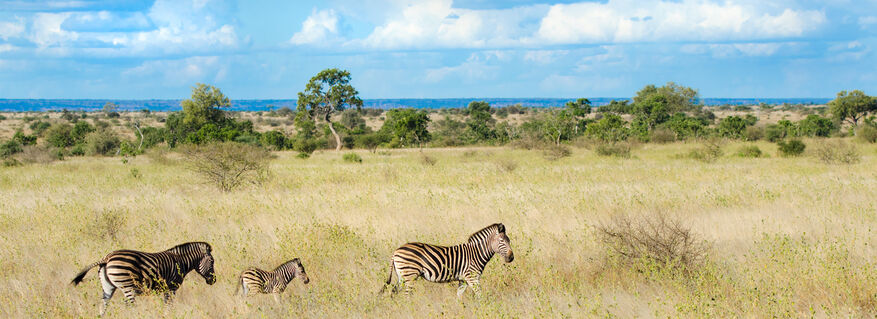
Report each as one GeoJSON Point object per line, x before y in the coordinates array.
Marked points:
{"type": "Point", "coordinates": [182, 71]}
{"type": "Point", "coordinates": [11, 29]}
{"type": "Point", "coordinates": [725, 50]}
{"type": "Point", "coordinates": [544, 56]}
{"type": "Point", "coordinates": [868, 21]}
{"type": "Point", "coordinates": [474, 68]}
{"type": "Point", "coordinates": [627, 21]}
{"type": "Point", "coordinates": [46, 30]}
{"type": "Point", "coordinates": [7, 47]}
{"type": "Point", "coordinates": [320, 26]}
{"type": "Point", "coordinates": [437, 24]}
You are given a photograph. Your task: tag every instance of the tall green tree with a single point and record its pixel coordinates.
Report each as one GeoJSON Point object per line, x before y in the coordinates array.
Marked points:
{"type": "Point", "coordinates": [326, 93]}
{"type": "Point", "coordinates": [852, 106]}
{"type": "Point", "coordinates": [674, 97]}
{"type": "Point", "coordinates": [480, 122]}
{"type": "Point", "coordinates": [578, 110]}
{"type": "Point", "coordinates": [204, 106]}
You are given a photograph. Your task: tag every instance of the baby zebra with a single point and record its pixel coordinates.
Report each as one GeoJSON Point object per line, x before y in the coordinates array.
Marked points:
{"type": "Point", "coordinates": [136, 272]}
{"type": "Point", "coordinates": [255, 280]}
{"type": "Point", "coordinates": [462, 263]}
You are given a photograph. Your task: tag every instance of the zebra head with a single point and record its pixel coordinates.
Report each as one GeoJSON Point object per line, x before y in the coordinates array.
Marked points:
{"type": "Point", "coordinates": [205, 266]}
{"type": "Point", "coordinates": [501, 244]}
{"type": "Point", "coordinates": [300, 271]}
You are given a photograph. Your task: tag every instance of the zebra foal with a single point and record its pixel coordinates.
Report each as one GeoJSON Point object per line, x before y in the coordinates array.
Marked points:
{"type": "Point", "coordinates": [463, 263]}
{"type": "Point", "coordinates": [255, 280]}
{"type": "Point", "coordinates": [136, 272]}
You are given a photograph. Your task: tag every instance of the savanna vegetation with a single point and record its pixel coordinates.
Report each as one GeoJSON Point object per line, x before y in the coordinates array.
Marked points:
{"type": "Point", "coordinates": [653, 207]}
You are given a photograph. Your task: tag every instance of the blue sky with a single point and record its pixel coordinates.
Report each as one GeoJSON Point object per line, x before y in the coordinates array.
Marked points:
{"type": "Point", "coordinates": [132, 49]}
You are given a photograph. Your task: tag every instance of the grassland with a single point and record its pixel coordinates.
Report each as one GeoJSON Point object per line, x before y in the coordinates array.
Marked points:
{"type": "Point", "coordinates": [789, 237]}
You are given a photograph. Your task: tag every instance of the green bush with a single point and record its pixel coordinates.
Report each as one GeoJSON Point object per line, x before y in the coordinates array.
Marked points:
{"type": "Point", "coordinates": [621, 149]}
{"type": "Point", "coordinates": [39, 127]}
{"type": "Point", "coordinates": [80, 130]}
{"type": "Point", "coordinates": [10, 148]}
{"type": "Point", "coordinates": [60, 135]}
{"type": "Point", "coordinates": [750, 151]}
{"type": "Point", "coordinates": [791, 147]}
{"type": "Point", "coordinates": [23, 139]}
{"type": "Point", "coordinates": [275, 140]}
{"type": "Point", "coordinates": [352, 158]}
{"type": "Point", "coordinates": [78, 150]}
{"type": "Point", "coordinates": [816, 126]}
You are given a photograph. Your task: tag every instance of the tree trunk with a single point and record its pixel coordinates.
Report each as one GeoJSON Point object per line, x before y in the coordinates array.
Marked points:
{"type": "Point", "coordinates": [337, 138]}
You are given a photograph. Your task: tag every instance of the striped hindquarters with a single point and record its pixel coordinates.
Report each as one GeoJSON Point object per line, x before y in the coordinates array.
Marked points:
{"type": "Point", "coordinates": [255, 280]}
{"type": "Point", "coordinates": [139, 271]}
{"type": "Point", "coordinates": [434, 263]}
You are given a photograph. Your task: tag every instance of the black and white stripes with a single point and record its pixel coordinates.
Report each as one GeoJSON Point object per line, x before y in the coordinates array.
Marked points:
{"type": "Point", "coordinates": [135, 272]}
{"type": "Point", "coordinates": [255, 280]}
{"type": "Point", "coordinates": [463, 263]}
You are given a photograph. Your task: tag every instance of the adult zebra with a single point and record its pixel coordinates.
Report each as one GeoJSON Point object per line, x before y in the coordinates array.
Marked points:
{"type": "Point", "coordinates": [135, 272]}
{"type": "Point", "coordinates": [255, 280]}
{"type": "Point", "coordinates": [463, 263]}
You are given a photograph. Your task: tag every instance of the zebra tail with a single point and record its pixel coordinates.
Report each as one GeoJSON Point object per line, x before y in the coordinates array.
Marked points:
{"type": "Point", "coordinates": [82, 273]}
{"type": "Point", "coordinates": [239, 287]}
{"type": "Point", "coordinates": [389, 279]}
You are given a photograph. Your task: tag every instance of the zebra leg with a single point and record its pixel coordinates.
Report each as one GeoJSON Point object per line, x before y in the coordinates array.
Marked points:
{"type": "Point", "coordinates": [461, 289]}
{"type": "Point", "coordinates": [108, 290]}
{"type": "Point", "coordinates": [473, 281]}
{"type": "Point", "coordinates": [168, 297]}
{"type": "Point", "coordinates": [276, 298]}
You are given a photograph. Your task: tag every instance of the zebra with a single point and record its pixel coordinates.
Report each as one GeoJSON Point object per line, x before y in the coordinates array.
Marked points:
{"type": "Point", "coordinates": [136, 272]}
{"type": "Point", "coordinates": [255, 280]}
{"type": "Point", "coordinates": [462, 263]}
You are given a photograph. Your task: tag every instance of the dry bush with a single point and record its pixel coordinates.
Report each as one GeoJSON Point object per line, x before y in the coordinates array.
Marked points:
{"type": "Point", "coordinates": [555, 152]}
{"type": "Point", "coordinates": [469, 153]}
{"type": "Point", "coordinates": [108, 225]}
{"type": "Point", "coordinates": [620, 149]}
{"type": "Point", "coordinates": [159, 154]}
{"type": "Point", "coordinates": [708, 152]}
{"type": "Point", "coordinates": [527, 143]}
{"type": "Point", "coordinates": [507, 165]}
{"type": "Point", "coordinates": [750, 151]}
{"type": "Point", "coordinates": [228, 165]}
{"type": "Point", "coordinates": [653, 238]}
{"type": "Point", "coordinates": [837, 152]}
{"type": "Point", "coordinates": [35, 154]}
{"type": "Point", "coordinates": [427, 160]}
{"type": "Point", "coordinates": [662, 136]}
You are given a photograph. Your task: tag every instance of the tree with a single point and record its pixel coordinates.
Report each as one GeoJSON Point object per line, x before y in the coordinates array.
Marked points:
{"type": "Point", "coordinates": [204, 106]}
{"type": "Point", "coordinates": [578, 109]}
{"type": "Point", "coordinates": [326, 93]}
{"type": "Point", "coordinates": [480, 121]}
{"type": "Point", "coordinates": [110, 107]}
{"type": "Point", "coordinates": [408, 126]}
{"type": "Point", "coordinates": [852, 106]}
{"type": "Point", "coordinates": [676, 98]}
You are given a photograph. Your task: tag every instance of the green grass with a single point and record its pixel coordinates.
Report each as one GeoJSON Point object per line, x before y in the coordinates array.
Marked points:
{"type": "Point", "coordinates": [789, 236]}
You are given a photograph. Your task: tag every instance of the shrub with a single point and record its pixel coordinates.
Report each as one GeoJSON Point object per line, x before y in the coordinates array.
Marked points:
{"type": "Point", "coordinates": [507, 165]}
{"type": "Point", "coordinates": [662, 135]}
{"type": "Point", "coordinates": [709, 151]}
{"type": "Point", "coordinates": [427, 160]}
{"type": "Point", "coordinates": [867, 133]}
{"type": "Point", "coordinates": [60, 135]}
{"type": "Point", "coordinates": [10, 148]}
{"type": "Point", "coordinates": [352, 158]}
{"type": "Point", "coordinates": [80, 130]}
{"type": "Point", "coordinates": [655, 238]}
{"type": "Point", "coordinates": [39, 127]}
{"type": "Point", "coordinates": [23, 139]}
{"type": "Point", "coordinates": [228, 165]}
{"type": "Point", "coordinates": [78, 150]}
{"type": "Point", "coordinates": [36, 154]}
{"type": "Point", "coordinates": [750, 151]}
{"type": "Point", "coordinates": [621, 149]}
{"type": "Point", "coordinates": [554, 152]}
{"type": "Point", "coordinates": [102, 142]}
{"type": "Point", "coordinates": [753, 133]}
{"type": "Point", "coordinates": [791, 147]}
{"type": "Point", "coordinates": [108, 225]}
{"type": "Point", "coordinates": [275, 140]}
{"type": "Point", "coordinates": [303, 155]}
{"type": "Point", "coordinates": [816, 126]}
{"type": "Point", "coordinates": [837, 152]}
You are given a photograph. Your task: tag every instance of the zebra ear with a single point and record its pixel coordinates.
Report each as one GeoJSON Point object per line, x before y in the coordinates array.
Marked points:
{"type": "Point", "coordinates": [500, 228]}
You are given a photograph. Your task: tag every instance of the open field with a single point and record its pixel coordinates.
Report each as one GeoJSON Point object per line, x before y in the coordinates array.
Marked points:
{"type": "Point", "coordinates": [789, 237]}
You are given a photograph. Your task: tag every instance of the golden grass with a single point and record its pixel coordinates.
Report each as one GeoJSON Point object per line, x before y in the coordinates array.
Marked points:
{"type": "Point", "coordinates": [789, 236]}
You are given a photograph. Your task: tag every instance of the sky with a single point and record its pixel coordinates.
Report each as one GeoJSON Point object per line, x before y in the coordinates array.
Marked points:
{"type": "Point", "coordinates": [261, 49]}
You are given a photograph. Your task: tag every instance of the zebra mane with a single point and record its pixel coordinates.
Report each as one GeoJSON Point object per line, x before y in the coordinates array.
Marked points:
{"type": "Point", "coordinates": [291, 262]}
{"type": "Point", "coordinates": [199, 246]}
{"type": "Point", "coordinates": [486, 232]}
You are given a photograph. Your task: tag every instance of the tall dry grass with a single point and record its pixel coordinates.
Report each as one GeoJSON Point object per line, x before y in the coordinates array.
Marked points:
{"type": "Point", "coordinates": [788, 236]}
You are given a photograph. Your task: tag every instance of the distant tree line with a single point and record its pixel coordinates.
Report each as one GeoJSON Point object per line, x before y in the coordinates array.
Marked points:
{"type": "Point", "coordinates": [329, 115]}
